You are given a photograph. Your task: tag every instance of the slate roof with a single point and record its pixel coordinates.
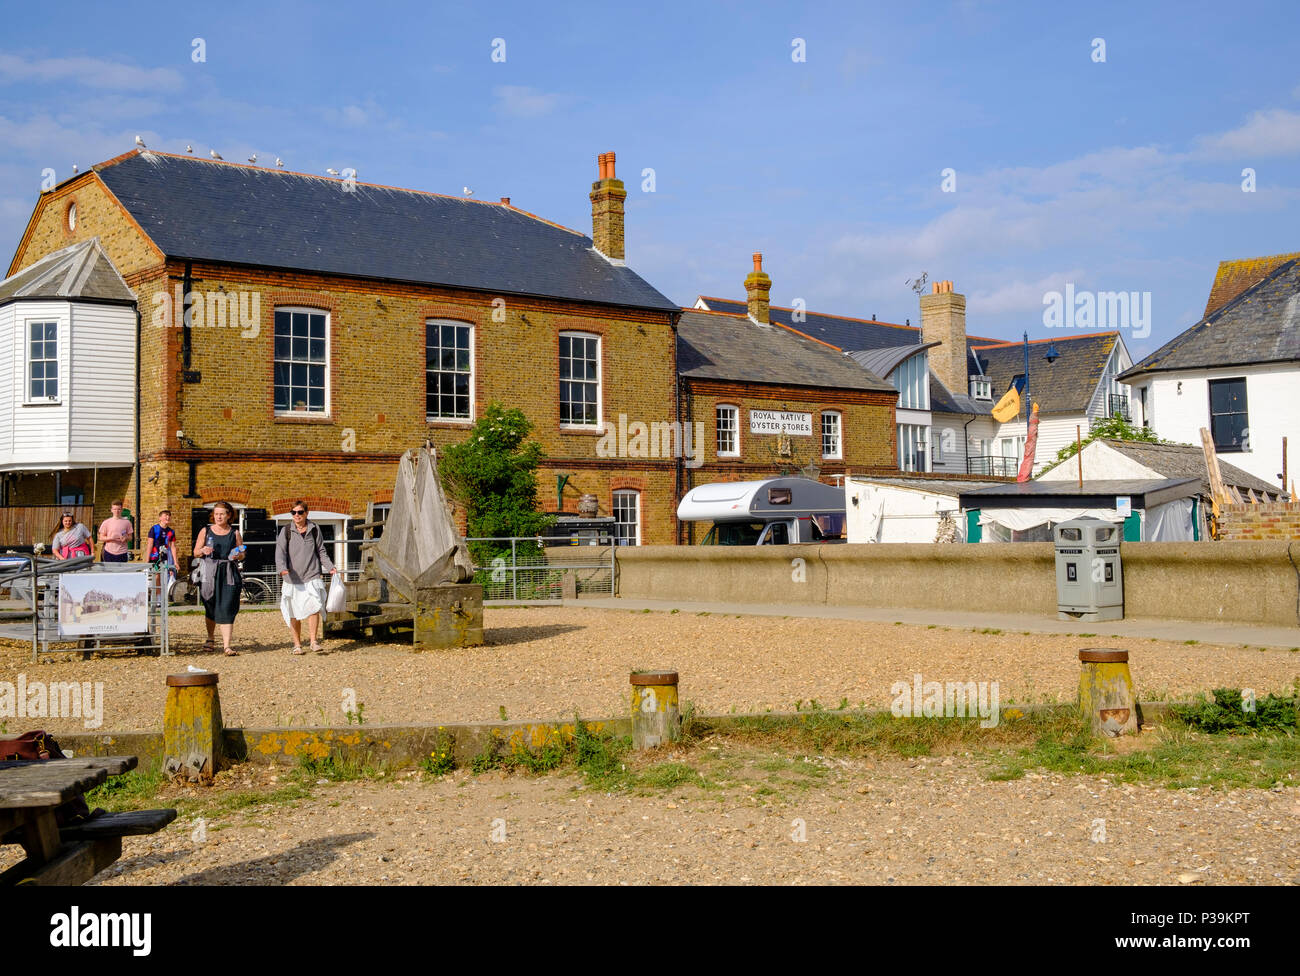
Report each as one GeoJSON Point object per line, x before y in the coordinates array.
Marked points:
{"type": "Point", "coordinates": [1145, 492]}
{"type": "Point", "coordinates": [1186, 461]}
{"type": "Point", "coordinates": [1260, 325]}
{"type": "Point", "coordinates": [711, 345]}
{"type": "Point", "coordinates": [224, 212]}
{"type": "Point", "coordinates": [80, 272]}
{"type": "Point", "coordinates": [1065, 386]}
{"type": "Point", "coordinates": [1234, 277]}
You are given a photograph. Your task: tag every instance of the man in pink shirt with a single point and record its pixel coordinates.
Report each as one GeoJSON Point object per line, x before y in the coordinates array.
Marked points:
{"type": "Point", "coordinates": [114, 534]}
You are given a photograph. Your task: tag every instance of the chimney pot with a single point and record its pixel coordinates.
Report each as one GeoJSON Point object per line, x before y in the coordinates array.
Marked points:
{"type": "Point", "coordinates": [506, 201]}
{"type": "Point", "coordinates": [758, 261]}
{"type": "Point", "coordinates": [607, 196]}
{"type": "Point", "coordinates": [758, 287]}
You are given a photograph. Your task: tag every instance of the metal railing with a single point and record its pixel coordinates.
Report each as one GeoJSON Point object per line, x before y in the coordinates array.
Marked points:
{"type": "Point", "coordinates": [536, 567]}
{"type": "Point", "coordinates": [993, 465]}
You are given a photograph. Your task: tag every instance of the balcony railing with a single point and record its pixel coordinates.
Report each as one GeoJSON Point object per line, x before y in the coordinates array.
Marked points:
{"type": "Point", "coordinates": [1117, 406]}
{"type": "Point", "coordinates": [993, 465]}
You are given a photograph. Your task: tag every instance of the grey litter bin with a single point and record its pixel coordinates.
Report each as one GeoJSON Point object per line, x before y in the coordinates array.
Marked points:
{"type": "Point", "coordinates": [1089, 579]}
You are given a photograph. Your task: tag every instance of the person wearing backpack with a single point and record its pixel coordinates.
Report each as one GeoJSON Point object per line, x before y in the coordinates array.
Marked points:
{"type": "Point", "coordinates": [300, 558]}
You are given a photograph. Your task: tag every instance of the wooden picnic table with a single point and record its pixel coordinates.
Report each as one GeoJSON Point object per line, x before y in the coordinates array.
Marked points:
{"type": "Point", "coordinates": [30, 794]}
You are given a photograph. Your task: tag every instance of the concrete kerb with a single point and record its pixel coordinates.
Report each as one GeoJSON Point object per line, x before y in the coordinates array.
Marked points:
{"type": "Point", "coordinates": [403, 745]}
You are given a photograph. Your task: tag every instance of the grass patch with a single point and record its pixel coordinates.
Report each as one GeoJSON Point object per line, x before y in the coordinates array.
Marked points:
{"type": "Point", "coordinates": [132, 790]}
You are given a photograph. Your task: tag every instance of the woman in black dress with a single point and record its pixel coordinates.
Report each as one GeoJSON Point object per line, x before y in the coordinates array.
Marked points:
{"type": "Point", "coordinates": [217, 542]}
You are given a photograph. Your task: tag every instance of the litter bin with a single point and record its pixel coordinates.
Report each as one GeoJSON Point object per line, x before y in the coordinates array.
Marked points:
{"type": "Point", "coordinates": [1089, 578]}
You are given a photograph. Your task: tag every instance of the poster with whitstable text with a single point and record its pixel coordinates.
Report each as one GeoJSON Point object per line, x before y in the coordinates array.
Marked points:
{"type": "Point", "coordinates": [100, 604]}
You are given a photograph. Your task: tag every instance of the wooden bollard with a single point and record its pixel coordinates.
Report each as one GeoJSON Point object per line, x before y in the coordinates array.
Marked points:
{"type": "Point", "coordinates": [1106, 692]}
{"type": "Point", "coordinates": [192, 726]}
{"type": "Point", "coordinates": [655, 716]}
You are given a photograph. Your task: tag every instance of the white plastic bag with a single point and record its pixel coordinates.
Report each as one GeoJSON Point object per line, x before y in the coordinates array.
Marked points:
{"type": "Point", "coordinates": [337, 601]}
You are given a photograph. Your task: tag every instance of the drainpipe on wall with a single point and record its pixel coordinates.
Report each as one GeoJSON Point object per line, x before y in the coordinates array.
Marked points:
{"type": "Point", "coordinates": [678, 468]}
{"type": "Point", "coordinates": [138, 517]}
{"type": "Point", "coordinates": [965, 439]}
{"type": "Point", "coordinates": [187, 282]}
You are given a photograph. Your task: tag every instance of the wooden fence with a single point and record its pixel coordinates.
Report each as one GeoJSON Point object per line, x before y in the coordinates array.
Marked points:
{"type": "Point", "coordinates": [24, 525]}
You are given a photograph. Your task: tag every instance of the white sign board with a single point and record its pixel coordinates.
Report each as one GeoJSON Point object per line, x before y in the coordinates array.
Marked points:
{"type": "Point", "coordinates": [103, 603]}
{"type": "Point", "coordinates": [1123, 506]}
{"type": "Point", "coordinates": [776, 421]}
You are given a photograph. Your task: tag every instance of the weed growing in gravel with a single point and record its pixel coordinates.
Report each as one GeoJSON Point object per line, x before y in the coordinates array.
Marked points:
{"type": "Point", "coordinates": [442, 759]}
{"type": "Point", "coordinates": [1225, 712]}
{"type": "Point", "coordinates": [338, 768]}
{"type": "Point", "coordinates": [129, 791]}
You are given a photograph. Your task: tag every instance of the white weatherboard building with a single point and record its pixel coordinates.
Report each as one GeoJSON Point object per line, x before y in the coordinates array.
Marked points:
{"type": "Point", "coordinates": [67, 353]}
{"type": "Point", "coordinates": [1236, 372]}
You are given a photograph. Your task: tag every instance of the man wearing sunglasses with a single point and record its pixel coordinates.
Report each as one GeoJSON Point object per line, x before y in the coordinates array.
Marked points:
{"type": "Point", "coordinates": [300, 558]}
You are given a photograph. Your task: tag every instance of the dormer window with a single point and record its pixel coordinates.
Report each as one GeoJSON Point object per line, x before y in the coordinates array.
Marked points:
{"type": "Point", "coordinates": [981, 388]}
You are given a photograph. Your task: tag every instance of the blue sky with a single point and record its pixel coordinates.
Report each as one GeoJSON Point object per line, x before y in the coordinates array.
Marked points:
{"type": "Point", "coordinates": [1117, 175]}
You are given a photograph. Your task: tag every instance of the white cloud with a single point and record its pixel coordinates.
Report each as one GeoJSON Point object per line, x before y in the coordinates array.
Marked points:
{"type": "Point", "coordinates": [91, 72]}
{"type": "Point", "coordinates": [1271, 132]}
{"type": "Point", "coordinates": [524, 102]}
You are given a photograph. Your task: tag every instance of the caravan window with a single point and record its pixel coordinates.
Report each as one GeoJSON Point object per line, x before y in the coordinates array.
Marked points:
{"type": "Point", "coordinates": [828, 526]}
{"type": "Point", "coordinates": [733, 534]}
{"type": "Point", "coordinates": [780, 496]}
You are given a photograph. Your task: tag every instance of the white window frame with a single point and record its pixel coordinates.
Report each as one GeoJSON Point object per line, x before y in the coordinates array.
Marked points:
{"type": "Point", "coordinates": [28, 399]}
{"type": "Point", "coordinates": [925, 432]}
{"type": "Point", "coordinates": [735, 430]}
{"type": "Point", "coordinates": [614, 508]}
{"type": "Point", "coordinates": [307, 310]}
{"type": "Point", "coordinates": [838, 453]}
{"type": "Point", "coordinates": [467, 420]}
{"type": "Point", "coordinates": [600, 404]}
{"type": "Point", "coordinates": [340, 522]}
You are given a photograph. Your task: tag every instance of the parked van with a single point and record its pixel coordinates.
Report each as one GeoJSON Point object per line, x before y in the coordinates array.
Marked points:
{"type": "Point", "coordinates": [775, 512]}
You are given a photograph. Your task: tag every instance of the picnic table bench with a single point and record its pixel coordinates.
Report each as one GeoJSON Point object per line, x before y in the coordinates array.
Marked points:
{"type": "Point", "coordinates": [31, 792]}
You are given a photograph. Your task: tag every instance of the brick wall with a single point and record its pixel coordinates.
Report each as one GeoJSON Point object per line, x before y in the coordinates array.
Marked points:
{"type": "Point", "coordinates": [1275, 520]}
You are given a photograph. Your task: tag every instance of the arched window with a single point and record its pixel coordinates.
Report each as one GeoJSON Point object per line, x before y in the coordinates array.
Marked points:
{"type": "Point", "coordinates": [627, 517]}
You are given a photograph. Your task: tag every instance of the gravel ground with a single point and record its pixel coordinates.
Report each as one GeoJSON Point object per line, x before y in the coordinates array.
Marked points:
{"type": "Point", "coordinates": [897, 821]}
{"type": "Point", "coordinates": [545, 662]}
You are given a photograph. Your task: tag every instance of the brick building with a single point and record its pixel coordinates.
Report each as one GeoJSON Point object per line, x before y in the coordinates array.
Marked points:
{"type": "Point", "coordinates": [295, 334]}
{"type": "Point", "coordinates": [774, 401]}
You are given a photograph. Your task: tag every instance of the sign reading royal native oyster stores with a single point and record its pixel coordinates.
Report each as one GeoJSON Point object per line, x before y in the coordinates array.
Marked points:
{"type": "Point", "coordinates": [776, 421]}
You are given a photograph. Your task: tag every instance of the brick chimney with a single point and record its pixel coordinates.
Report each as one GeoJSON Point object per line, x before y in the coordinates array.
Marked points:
{"type": "Point", "coordinates": [943, 320]}
{"type": "Point", "coordinates": [757, 287]}
{"type": "Point", "coordinates": [607, 196]}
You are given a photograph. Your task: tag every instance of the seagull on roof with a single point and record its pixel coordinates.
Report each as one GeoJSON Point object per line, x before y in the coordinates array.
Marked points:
{"type": "Point", "coordinates": [279, 163]}
{"type": "Point", "coordinates": [332, 172]}
{"type": "Point", "coordinates": [253, 158]}
{"type": "Point", "coordinates": [214, 154]}
{"type": "Point", "coordinates": [140, 142]}
{"type": "Point", "coordinates": [189, 149]}
{"type": "Point", "coordinates": [74, 169]}
{"type": "Point", "coordinates": [467, 191]}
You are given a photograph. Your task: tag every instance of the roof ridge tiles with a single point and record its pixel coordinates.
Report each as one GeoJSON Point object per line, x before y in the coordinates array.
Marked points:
{"type": "Point", "coordinates": [313, 176]}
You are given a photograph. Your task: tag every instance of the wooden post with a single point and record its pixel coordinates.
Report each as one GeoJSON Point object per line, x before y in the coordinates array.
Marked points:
{"type": "Point", "coordinates": [1078, 451]}
{"type": "Point", "coordinates": [450, 615]}
{"type": "Point", "coordinates": [1106, 692]}
{"type": "Point", "coordinates": [192, 726]}
{"type": "Point", "coordinates": [655, 716]}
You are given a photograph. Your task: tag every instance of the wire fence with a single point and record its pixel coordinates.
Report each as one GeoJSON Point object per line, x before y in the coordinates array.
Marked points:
{"type": "Point", "coordinates": [539, 567]}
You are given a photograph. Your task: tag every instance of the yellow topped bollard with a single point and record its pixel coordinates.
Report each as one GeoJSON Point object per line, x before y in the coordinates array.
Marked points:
{"type": "Point", "coordinates": [655, 715]}
{"type": "Point", "coordinates": [1106, 692]}
{"type": "Point", "coordinates": [192, 726]}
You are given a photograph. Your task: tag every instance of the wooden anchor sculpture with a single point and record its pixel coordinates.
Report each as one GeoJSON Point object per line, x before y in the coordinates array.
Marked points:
{"type": "Point", "coordinates": [422, 560]}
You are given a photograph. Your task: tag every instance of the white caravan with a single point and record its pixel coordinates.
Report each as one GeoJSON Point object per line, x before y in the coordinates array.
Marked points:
{"type": "Point", "coordinates": [775, 512]}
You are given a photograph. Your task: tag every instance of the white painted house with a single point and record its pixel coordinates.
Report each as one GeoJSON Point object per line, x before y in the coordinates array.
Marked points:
{"type": "Point", "coordinates": [1235, 372]}
{"type": "Point", "coordinates": [67, 358]}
